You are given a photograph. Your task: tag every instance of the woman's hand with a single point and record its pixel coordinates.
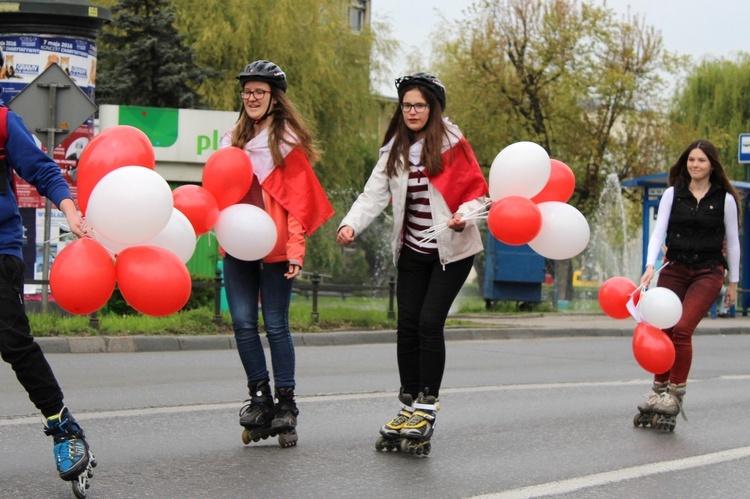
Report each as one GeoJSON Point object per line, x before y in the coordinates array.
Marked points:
{"type": "Point", "coordinates": [345, 237]}
{"type": "Point", "coordinates": [730, 298]}
{"type": "Point", "coordinates": [456, 222]}
{"type": "Point", "coordinates": [647, 276]}
{"type": "Point", "coordinates": [292, 271]}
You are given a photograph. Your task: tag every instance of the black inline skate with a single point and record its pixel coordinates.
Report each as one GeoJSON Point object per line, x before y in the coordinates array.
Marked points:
{"type": "Point", "coordinates": [285, 420]}
{"type": "Point", "coordinates": [416, 434]}
{"type": "Point", "coordinates": [646, 416]}
{"type": "Point", "coordinates": [257, 414]}
{"type": "Point", "coordinates": [74, 460]}
{"type": "Point", "coordinates": [390, 433]}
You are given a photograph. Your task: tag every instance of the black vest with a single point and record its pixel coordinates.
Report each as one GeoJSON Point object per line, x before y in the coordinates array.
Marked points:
{"type": "Point", "coordinates": [695, 235]}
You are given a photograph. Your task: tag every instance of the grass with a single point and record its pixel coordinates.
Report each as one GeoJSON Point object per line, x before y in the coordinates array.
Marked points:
{"type": "Point", "coordinates": [334, 313]}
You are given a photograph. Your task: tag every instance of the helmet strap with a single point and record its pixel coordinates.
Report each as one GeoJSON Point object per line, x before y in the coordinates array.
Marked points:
{"type": "Point", "coordinates": [268, 113]}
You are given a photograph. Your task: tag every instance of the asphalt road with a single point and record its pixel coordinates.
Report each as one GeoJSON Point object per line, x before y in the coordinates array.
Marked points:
{"type": "Point", "coordinates": [519, 418]}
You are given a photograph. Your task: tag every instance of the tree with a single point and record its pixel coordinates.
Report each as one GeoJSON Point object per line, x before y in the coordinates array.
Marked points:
{"type": "Point", "coordinates": [327, 64]}
{"type": "Point", "coordinates": [713, 103]}
{"type": "Point", "coordinates": [145, 61]}
{"type": "Point", "coordinates": [328, 69]}
{"type": "Point", "coordinates": [564, 74]}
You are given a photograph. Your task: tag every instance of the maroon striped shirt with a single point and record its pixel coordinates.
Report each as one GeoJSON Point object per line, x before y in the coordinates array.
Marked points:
{"type": "Point", "coordinates": [418, 211]}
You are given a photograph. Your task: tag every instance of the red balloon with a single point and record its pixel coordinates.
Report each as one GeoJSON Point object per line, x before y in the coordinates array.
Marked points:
{"type": "Point", "coordinates": [514, 220]}
{"type": "Point", "coordinates": [614, 294]}
{"type": "Point", "coordinates": [560, 185]}
{"type": "Point", "coordinates": [82, 277]}
{"type": "Point", "coordinates": [652, 348]}
{"type": "Point", "coordinates": [227, 175]}
{"type": "Point", "coordinates": [198, 205]}
{"type": "Point", "coordinates": [120, 145]}
{"type": "Point", "coordinates": [153, 280]}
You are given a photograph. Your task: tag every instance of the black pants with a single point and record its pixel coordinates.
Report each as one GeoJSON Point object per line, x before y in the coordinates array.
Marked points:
{"type": "Point", "coordinates": [18, 347]}
{"type": "Point", "coordinates": [425, 292]}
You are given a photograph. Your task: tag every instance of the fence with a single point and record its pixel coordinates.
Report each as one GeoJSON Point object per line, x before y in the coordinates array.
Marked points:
{"type": "Point", "coordinates": [314, 288]}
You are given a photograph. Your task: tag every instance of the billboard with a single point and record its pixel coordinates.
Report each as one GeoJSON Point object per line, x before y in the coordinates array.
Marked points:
{"type": "Point", "coordinates": [26, 57]}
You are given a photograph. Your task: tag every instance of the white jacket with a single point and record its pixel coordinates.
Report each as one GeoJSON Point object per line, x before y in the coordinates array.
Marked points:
{"type": "Point", "coordinates": [381, 189]}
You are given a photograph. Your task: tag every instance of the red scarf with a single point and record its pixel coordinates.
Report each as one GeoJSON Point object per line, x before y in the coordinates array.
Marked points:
{"type": "Point", "coordinates": [461, 179]}
{"type": "Point", "coordinates": [296, 188]}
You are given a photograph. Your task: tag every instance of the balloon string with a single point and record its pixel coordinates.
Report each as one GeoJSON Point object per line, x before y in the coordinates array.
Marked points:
{"type": "Point", "coordinates": [643, 285]}
{"type": "Point", "coordinates": [475, 214]}
{"type": "Point", "coordinates": [61, 236]}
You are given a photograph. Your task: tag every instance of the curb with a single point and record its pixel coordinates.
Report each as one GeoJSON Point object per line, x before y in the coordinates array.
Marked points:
{"type": "Point", "coordinates": [133, 344]}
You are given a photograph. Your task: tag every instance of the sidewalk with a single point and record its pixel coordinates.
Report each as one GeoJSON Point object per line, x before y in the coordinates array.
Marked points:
{"type": "Point", "coordinates": [476, 327]}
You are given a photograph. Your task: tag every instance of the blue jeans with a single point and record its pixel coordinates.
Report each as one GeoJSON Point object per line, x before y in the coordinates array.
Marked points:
{"type": "Point", "coordinates": [245, 283]}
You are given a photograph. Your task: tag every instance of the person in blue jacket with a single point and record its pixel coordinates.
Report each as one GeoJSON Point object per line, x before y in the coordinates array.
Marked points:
{"type": "Point", "coordinates": [20, 155]}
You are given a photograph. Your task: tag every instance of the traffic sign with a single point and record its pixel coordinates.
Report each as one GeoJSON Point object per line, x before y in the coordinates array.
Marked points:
{"type": "Point", "coordinates": [52, 94]}
{"type": "Point", "coordinates": [743, 153]}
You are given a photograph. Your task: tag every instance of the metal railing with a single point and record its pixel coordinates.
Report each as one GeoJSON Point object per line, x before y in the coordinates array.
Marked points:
{"type": "Point", "coordinates": [314, 288]}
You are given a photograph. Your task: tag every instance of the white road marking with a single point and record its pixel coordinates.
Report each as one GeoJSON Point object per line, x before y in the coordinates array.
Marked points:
{"type": "Point", "coordinates": [579, 483]}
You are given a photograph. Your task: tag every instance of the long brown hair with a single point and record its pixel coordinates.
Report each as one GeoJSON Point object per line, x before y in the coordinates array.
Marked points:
{"type": "Point", "coordinates": [284, 114]}
{"type": "Point", "coordinates": [434, 132]}
{"type": "Point", "coordinates": [680, 178]}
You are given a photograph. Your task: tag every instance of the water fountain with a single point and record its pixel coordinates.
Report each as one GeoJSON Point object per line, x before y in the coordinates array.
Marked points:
{"type": "Point", "coordinates": [615, 245]}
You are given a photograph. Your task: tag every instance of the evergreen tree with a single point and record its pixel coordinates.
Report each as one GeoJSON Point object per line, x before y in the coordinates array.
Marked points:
{"type": "Point", "coordinates": [145, 61]}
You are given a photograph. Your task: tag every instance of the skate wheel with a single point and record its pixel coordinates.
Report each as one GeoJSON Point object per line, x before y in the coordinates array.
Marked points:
{"type": "Point", "coordinates": [637, 420]}
{"type": "Point", "coordinates": [246, 437]}
{"type": "Point", "coordinates": [288, 439]}
{"type": "Point", "coordinates": [380, 444]}
{"type": "Point", "coordinates": [427, 449]}
{"type": "Point", "coordinates": [78, 491]}
{"type": "Point", "coordinates": [654, 420]}
{"type": "Point", "coordinates": [404, 446]}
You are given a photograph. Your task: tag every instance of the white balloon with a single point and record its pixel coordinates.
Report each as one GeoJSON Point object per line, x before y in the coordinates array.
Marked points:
{"type": "Point", "coordinates": [565, 232]}
{"type": "Point", "coordinates": [521, 169]}
{"type": "Point", "coordinates": [245, 231]}
{"type": "Point", "coordinates": [130, 205]}
{"type": "Point", "coordinates": [113, 247]}
{"type": "Point", "coordinates": [660, 307]}
{"type": "Point", "coordinates": [178, 236]}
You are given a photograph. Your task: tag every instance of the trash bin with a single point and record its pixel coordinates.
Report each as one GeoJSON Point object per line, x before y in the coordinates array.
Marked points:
{"type": "Point", "coordinates": [512, 273]}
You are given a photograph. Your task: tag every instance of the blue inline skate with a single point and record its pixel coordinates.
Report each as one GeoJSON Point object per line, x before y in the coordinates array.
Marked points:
{"type": "Point", "coordinates": [74, 459]}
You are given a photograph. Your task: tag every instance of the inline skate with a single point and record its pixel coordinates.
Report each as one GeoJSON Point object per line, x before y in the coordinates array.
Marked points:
{"type": "Point", "coordinates": [646, 416]}
{"type": "Point", "coordinates": [416, 434]}
{"type": "Point", "coordinates": [390, 433]}
{"type": "Point", "coordinates": [257, 414]}
{"type": "Point", "coordinates": [669, 406]}
{"type": "Point", "coordinates": [285, 420]}
{"type": "Point", "coordinates": [74, 460]}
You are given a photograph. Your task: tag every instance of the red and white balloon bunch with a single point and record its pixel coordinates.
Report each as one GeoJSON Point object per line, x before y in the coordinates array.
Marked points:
{"type": "Point", "coordinates": [130, 210]}
{"type": "Point", "coordinates": [244, 231]}
{"type": "Point", "coordinates": [529, 193]}
{"type": "Point", "coordinates": [655, 309]}
{"type": "Point", "coordinates": [150, 230]}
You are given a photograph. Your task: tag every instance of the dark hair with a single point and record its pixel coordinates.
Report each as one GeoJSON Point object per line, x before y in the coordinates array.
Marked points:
{"type": "Point", "coordinates": [434, 132]}
{"type": "Point", "coordinates": [680, 178]}
{"type": "Point", "coordinates": [285, 114]}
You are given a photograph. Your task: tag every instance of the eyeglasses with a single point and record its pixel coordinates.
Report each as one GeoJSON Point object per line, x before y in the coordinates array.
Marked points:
{"type": "Point", "coordinates": [257, 93]}
{"type": "Point", "coordinates": [419, 107]}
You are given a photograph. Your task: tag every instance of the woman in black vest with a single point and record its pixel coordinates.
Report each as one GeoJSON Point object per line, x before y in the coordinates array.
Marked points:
{"type": "Point", "coordinates": [698, 214]}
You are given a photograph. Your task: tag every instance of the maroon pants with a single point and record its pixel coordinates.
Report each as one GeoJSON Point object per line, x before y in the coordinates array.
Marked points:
{"type": "Point", "coordinates": [697, 289]}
